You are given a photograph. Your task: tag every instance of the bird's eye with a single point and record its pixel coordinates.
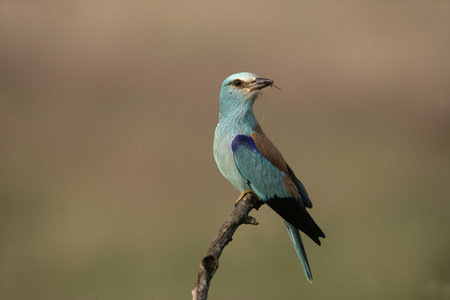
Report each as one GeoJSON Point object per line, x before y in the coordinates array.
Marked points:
{"type": "Point", "coordinates": [237, 83]}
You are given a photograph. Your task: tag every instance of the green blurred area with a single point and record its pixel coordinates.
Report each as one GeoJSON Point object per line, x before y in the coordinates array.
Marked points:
{"type": "Point", "coordinates": [108, 185]}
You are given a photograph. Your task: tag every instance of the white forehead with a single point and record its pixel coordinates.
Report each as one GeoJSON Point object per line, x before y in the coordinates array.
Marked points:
{"type": "Point", "coordinates": [244, 76]}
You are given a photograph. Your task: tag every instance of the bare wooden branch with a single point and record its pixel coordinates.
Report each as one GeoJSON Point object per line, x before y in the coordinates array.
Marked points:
{"type": "Point", "coordinates": [210, 262]}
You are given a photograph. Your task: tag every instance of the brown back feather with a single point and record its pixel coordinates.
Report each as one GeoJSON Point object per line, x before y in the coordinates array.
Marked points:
{"type": "Point", "coordinates": [273, 155]}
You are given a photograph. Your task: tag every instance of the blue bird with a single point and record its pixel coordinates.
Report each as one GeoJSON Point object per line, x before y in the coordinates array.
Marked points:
{"type": "Point", "coordinates": [250, 161]}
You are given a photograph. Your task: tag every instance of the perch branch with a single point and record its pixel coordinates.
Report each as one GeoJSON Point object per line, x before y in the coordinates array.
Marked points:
{"type": "Point", "coordinates": [210, 261]}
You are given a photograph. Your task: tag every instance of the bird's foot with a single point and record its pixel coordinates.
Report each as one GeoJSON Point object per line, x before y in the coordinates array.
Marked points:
{"type": "Point", "coordinates": [242, 196]}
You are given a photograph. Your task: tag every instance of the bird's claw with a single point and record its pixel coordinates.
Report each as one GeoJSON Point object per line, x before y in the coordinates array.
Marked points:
{"type": "Point", "coordinates": [242, 196]}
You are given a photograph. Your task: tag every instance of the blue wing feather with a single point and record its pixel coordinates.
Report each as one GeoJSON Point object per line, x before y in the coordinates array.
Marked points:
{"type": "Point", "coordinates": [301, 189]}
{"type": "Point", "coordinates": [262, 177]}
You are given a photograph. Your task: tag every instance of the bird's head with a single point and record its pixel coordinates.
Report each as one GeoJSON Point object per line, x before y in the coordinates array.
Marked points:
{"type": "Point", "coordinates": [241, 90]}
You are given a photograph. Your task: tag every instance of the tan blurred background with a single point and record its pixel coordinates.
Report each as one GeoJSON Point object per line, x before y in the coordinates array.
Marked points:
{"type": "Point", "coordinates": [108, 185]}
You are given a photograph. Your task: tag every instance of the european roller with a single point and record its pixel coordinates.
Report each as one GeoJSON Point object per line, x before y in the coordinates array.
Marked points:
{"type": "Point", "coordinates": [250, 161]}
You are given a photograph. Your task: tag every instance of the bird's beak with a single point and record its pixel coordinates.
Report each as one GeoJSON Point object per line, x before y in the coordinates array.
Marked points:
{"type": "Point", "coordinates": [260, 83]}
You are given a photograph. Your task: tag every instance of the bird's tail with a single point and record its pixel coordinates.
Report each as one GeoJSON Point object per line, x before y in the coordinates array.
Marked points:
{"type": "Point", "coordinates": [298, 245]}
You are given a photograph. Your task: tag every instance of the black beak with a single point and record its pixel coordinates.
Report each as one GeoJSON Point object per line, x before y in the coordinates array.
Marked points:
{"type": "Point", "coordinates": [260, 83]}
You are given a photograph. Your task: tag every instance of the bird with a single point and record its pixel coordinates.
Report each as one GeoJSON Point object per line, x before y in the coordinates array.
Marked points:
{"type": "Point", "coordinates": [250, 161]}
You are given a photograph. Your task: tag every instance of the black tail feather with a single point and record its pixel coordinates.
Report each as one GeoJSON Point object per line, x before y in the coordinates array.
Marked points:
{"type": "Point", "coordinates": [291, 211]}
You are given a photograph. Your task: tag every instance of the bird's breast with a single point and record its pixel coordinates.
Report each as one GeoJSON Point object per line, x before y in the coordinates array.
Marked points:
{"type": "Point", "coordinates": [225, 160]}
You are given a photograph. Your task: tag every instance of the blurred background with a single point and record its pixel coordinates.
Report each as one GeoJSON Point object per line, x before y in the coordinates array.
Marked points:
{"type": "Point", "coordinates": [108, 185]}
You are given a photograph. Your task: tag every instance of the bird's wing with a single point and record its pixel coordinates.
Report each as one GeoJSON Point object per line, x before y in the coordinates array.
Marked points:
{"type": "Point", "coordinates": [266, 180]}
{"type": "Point", "coordinates": [268, 150]}
{"type": "Point", "coordinates": [261, 164]}
{"type": "Point", "coordinates": [301, 188]}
